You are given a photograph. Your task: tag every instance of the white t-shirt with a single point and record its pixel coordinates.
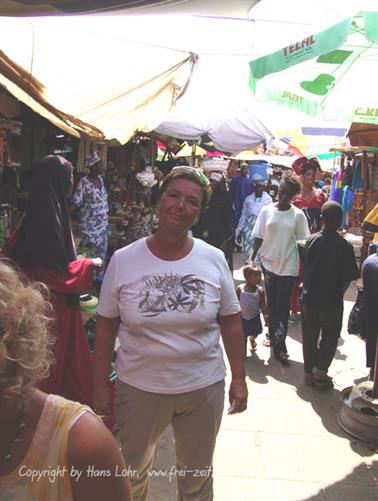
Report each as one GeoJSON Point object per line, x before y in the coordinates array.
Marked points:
{"type": "Point", "coordinates": [169, 333]}
{"type": "Point", "coordinates": [280, 229]}
{"type": "Point", "coordinates": [250, 302]}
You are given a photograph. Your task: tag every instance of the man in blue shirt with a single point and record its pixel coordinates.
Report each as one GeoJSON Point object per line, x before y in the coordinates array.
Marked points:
{"type": "Point", "coordinates": [240, 187]}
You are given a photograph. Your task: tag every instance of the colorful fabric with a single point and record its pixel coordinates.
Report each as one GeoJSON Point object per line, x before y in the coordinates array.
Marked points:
{"type": "Point", "coordinates": [92, 203]}
{"type": "Point", "coordinates": [248, 240]}
{"type": "Point", "coordinates": [357, 182]}
{"type": "Point", "coordinates": [337, 185]}
{"type": "Point", "coordinates": [311, 209]}
{"type": "Point", "coordinates": [347, 204]}
{"type": "Point", "coordinates": [372, 218]}
{"type": "Point", "coordinates": [251, 209]}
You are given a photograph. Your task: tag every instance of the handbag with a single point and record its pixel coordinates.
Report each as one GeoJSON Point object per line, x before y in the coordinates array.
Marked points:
{"type": "Point", "coordinates": [356, 320]}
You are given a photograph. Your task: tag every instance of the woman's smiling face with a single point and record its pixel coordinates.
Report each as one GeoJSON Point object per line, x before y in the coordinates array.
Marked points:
{"type": "Point", "coordinates": [309, 177]}
{"type": "Point", "coordinates": [180, 205]}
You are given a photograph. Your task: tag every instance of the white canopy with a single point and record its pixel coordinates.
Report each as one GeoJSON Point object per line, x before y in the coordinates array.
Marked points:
{"type": "Point", "coordinates": [231, 129]}
{"type": "Point", "coordinates": [223, 111]}
{"type": "Point", "coordinates": [92, 74]}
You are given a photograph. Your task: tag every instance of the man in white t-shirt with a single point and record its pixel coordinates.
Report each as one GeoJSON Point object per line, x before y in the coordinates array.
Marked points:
{"type": "Point", "coordinates": [277, 230]}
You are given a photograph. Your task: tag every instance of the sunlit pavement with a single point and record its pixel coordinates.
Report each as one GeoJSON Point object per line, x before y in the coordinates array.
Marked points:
{"type": "Point", "coordinates": [288, 445]}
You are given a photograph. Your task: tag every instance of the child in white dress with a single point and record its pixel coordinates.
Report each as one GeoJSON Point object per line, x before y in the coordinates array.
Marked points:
{"type": "Point", "coordinates": [252, 301]}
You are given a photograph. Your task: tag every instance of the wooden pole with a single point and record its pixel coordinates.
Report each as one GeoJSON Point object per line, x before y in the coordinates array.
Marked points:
{"type": "Point", "coordinates": [192, 159]}
{"type": "Point", "coordinates": [364, 171]}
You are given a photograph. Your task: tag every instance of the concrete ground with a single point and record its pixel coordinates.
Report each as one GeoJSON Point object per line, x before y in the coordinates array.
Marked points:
{"type": "Point", "coordinates": [288, 445]}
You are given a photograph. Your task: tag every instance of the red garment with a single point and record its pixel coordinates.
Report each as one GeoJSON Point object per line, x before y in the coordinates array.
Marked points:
{"type": "Point", "coordinates": [316, 202]}
{"type": "Point", "coordinates": [71, 374]}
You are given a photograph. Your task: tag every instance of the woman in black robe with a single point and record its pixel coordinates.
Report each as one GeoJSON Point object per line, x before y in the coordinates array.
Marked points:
{"type": "Point", "coordinates": [215, 225]}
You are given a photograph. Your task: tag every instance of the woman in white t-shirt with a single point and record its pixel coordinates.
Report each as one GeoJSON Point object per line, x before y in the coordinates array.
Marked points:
{"type": "Point", "coordinates": [169, 298]}
{"type": "Point", "coordinates": [278, 228]}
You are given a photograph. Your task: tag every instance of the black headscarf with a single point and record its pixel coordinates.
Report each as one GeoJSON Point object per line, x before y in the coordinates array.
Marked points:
{"type": "Point", "coordinates": [45, 237]}
{"type": "Point", "coordinates": [215, 223]}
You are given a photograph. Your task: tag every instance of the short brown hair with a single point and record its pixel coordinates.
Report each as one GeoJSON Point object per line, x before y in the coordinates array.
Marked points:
{"type": "Point", "coordinates": [190, 174]}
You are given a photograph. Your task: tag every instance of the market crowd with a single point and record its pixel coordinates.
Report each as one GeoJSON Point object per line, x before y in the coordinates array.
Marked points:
{"type": "Point", "coordinates": [168, 300]}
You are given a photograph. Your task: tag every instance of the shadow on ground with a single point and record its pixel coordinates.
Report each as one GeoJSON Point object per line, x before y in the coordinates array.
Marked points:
{"type": "Point", "coordinates": [346, 489]}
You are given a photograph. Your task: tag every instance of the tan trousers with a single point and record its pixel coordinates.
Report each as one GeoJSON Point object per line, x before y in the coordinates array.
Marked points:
{"type": "Point", "coordinates": [195, 416]}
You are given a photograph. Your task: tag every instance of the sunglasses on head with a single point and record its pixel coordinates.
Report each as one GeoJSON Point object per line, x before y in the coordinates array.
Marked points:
{"type": "Point", "coordinates": [193, 170]}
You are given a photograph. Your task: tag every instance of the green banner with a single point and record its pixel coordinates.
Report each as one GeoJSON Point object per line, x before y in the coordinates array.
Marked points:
{"type": "Point", "coordinates": [371, 26]}
{"type": "Point", "coordinates": [302, 50]}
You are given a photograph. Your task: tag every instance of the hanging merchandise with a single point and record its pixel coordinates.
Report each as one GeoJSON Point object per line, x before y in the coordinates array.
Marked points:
{"type": "Point", "coordinates": [347, 205]}
{"type": "Point", "coordinates": [357, 182]}
{"type": "Point", "coordinates": [147, 177]}
{"type": "Point", "coordinates": [336, 190]}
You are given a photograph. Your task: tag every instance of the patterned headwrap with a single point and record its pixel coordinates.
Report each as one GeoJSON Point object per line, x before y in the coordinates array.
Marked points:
{"type": "Point", "coordinates": [93, 159]}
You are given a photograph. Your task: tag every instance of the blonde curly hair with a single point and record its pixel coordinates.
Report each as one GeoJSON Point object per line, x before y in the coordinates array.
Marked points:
{"type": "Point", "coordinates": [25, 343]}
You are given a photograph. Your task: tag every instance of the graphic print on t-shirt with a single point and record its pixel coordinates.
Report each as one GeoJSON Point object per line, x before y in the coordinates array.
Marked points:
{"type": "Point", "coordinates": [171, 292]}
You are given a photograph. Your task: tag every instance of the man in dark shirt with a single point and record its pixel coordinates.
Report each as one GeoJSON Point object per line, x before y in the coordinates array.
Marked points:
{"type": "Point", "coordinates": [329, 266]}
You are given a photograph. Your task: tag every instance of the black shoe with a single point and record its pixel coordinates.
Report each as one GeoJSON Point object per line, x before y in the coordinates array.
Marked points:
{"type": "Point", "coordinates": [282, 357]}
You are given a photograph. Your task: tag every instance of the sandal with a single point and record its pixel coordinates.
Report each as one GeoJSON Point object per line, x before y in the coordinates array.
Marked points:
{"type": "Point", "coordinates": [253, 343]}
{"type": "Point", "coordinates": [267, 342]}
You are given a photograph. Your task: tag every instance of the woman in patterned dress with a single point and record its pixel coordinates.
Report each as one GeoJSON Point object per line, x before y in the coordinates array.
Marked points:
{"type": "Point", "coordinates": [91, 200]}
{"type": "Point", "coordinates": [251, 209]}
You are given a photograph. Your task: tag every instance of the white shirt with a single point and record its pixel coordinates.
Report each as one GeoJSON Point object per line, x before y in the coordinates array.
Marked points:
{"type": "Point", "coordinates": [280, 230]}
{"type": "Point", "coordinates": [252, 207]}
{"type": "Point", "coordinates": [169, 333]}
{"type": "Point", "coordinates": [250, 302]}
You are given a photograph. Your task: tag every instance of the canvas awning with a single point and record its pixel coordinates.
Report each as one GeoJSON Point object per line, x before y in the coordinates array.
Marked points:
{"type": "Point", "coordinates": [363, 135]}
{"type": "Point", "coordinates": [29, 90]}
{"type": "Point", "coordinates": [77, 71]}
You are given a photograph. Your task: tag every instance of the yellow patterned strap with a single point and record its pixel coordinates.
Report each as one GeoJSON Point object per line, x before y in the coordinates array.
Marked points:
{"type": "Point", "coordinates": [372, 218]}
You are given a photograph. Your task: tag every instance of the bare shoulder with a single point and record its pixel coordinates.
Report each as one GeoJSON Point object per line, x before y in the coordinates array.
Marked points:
{"type": "Point", "coordinates": [94, 453]}
{"type": "Point", "coordinates": [88, 435]}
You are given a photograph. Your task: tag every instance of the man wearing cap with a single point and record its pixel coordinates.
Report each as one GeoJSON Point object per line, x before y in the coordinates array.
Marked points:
{"type": "Point", "coordinates": [91, 201]}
